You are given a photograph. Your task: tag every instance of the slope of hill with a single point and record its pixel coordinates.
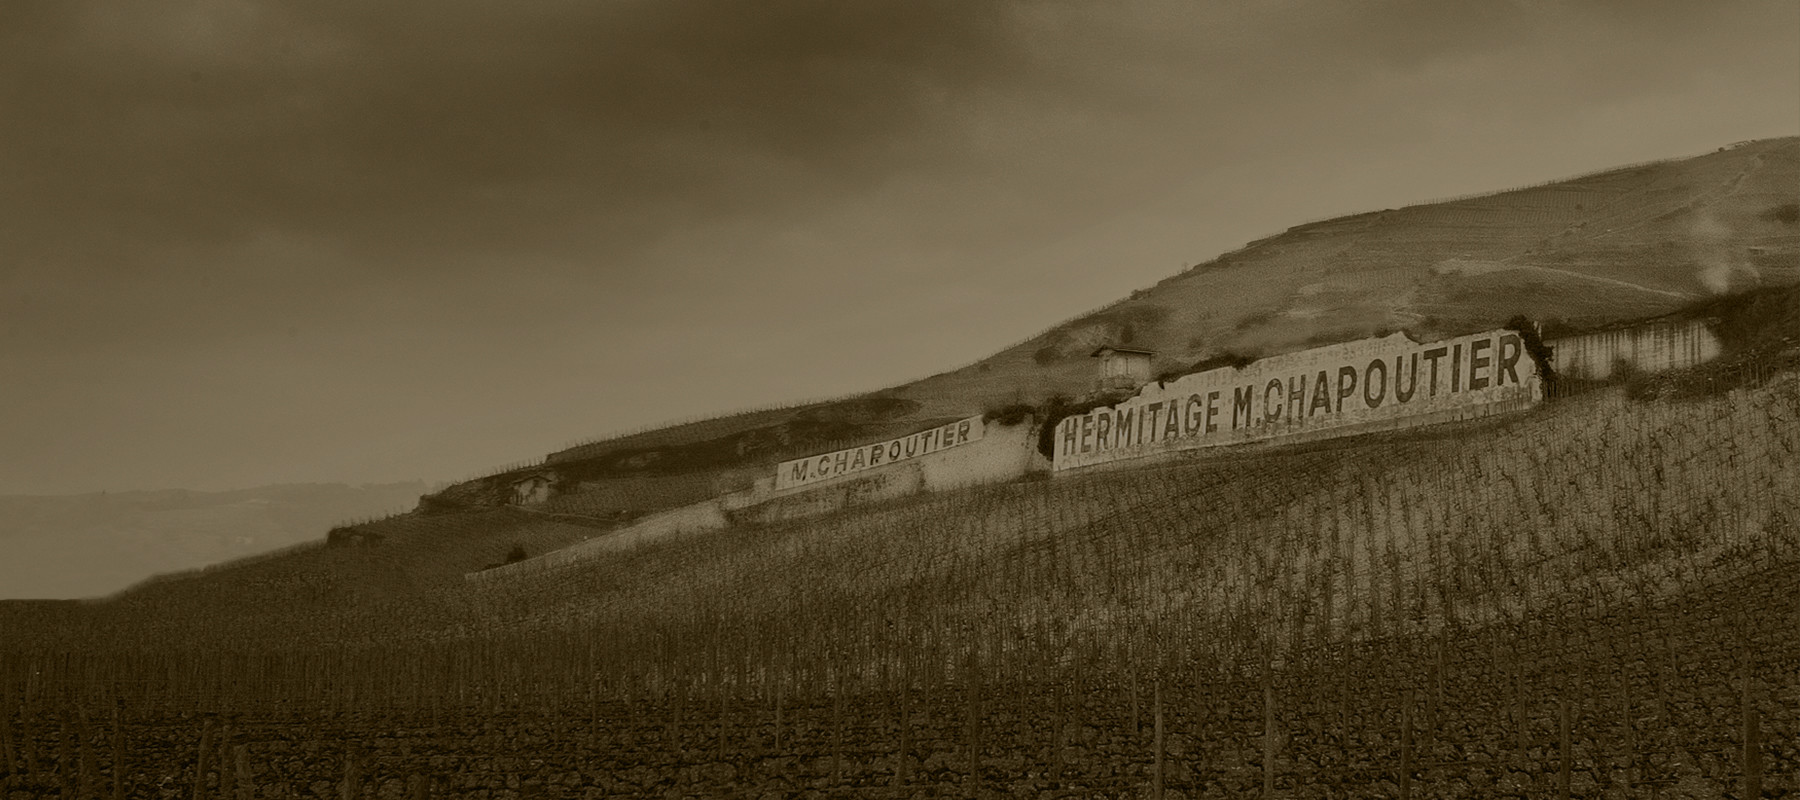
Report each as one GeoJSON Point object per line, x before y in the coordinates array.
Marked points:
{"type": "Point", "coordinates": [1614, 245]}
{"type": "Point", "coordinates": [1594, 490]}
{"type": "Point", "coordinates": [1620, 244]}
{"type": "Point", "coordinates": [1435, 609]}
{"type": "Point", "coordinates": [92, 544]}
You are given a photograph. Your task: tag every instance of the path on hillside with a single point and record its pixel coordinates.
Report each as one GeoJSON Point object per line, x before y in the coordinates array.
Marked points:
{"type": "Point", "coordinates": [1727, 188]}
{"type": "Point", "coordinates": [1613, 281]}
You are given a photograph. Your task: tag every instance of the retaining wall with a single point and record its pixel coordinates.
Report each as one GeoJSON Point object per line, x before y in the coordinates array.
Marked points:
{"type": "Point", "coordinates": [1336, 390]}
{"type": "Point", "coordinates": [1649, 347]}
{"type": "Point", "coordinates": [1003, 453]}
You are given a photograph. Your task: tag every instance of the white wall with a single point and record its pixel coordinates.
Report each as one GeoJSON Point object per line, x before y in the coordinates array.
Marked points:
{"type": "Point", "coordinates": [1003, 453]}
{"type": "Point", "coordinates": [838, 465]}
{"type": "Point", "coordinates": [1652, 347]}
{"type": "Point", "coordinates": [900, 480]}
{"type": "Point", "coordinates": [1336, 390]}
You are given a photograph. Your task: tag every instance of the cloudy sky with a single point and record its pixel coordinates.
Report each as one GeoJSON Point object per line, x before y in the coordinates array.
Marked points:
{"type": "Point", "coordinates": [250, 241]}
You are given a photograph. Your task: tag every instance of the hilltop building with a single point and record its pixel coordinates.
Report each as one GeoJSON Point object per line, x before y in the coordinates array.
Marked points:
{"type": "Point", "coordinates": [1123, 369]}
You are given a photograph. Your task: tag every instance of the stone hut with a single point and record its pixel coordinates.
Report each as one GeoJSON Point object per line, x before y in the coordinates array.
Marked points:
{"type": "Point", "coordinates": [1122, 368]}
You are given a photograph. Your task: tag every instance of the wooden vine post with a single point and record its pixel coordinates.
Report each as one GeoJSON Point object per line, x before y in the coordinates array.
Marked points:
{"type": "Point", "coordinates": [201, 762]}
{"type": "Point", "coordinates": [65, 771]}
{"type": "Point", "coordinates": [1563, 746]}
{"type": "Point", "coordinates": [780, 701]}
{"type": "Point", "coordinates": [1268, 759]}
{"type": "Point", "coordinates": [351, 786]}
{"type": "Point", "coordinates": [724, 712]}
{"type": "Point", "coordinates": [837, 727]}
{"type": "Point", "coordinates": [1137, 728]}
{"type": "Point", "coordinates": [8, 757]}
{"type": "Point", "coordinates": [227, 777]}
{"type": "Point", "coordinates": [900, 765]}
{"type": "Point", "coordinates": [1059, 741]}
{"type": "Point", "coordinates": [1752, 739]}
{"type": "Point", "coordinates": [1406, 745]}
{"type": "Point", "coordinates": [118, 754]}
{"type": "Point", "coordinates": [972, 726]}
{"type": "Point", "coordinates": [240, 760]}
{"type": "Point", "coordinates": [88, 782]}
{"type": "Point", "coordinates": [675, 707]}
{"type": "Point", "coordinates": [1521, 721]}
{"type": "Point", "coordinates": [1156, 784]}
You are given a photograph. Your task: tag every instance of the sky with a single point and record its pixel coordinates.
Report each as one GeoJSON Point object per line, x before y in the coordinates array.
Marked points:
{"type": "Point", "coordinates": [246, 242]}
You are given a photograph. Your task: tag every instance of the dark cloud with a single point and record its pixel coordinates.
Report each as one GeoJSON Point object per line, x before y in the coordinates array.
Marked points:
{"type": "Point", "coordinates": [406, 131]}
{"type": "Point", "coordinates": [409, 128]}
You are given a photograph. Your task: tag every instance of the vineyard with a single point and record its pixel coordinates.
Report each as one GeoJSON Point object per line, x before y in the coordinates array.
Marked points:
{"type": "Point", "coordinates": [1597, 598]}
{"type": "Point", "coordinates": [1620, 244]}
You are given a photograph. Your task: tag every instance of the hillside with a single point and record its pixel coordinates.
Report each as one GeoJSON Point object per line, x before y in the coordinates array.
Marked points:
{"type": "Point", "coordinates": [1427, 606]}
{"type": "Point", "coordinates": [1456, 262]}
{"type": "Point", "coordinates": [87, 545]}
{"type": "Point", "coordinates": [1519, 493]}
{"type": "Point", "coordinates": [1620, 244]}
{"type": "Point", "coordinates": [1604, 582]}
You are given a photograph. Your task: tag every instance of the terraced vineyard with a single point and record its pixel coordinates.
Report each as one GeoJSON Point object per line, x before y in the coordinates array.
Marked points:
{"type": "Point", "coordinates": [1621, 244]}
{"type": "Point", "coordinates": [1594, 598]}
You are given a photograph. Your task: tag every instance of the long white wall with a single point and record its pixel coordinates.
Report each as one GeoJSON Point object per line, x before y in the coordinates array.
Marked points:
{"type": "Point", "coordinates": [1001, 453]}
{"type": "Point", "coordinates": [1650, 347]}
{"type": "Point", "coordinates": [1336, 390]}
{"type": "Point", "coordinates": [850, 462]}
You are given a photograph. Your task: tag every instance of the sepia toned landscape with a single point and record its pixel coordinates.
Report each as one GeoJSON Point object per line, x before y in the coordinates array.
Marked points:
{"type": "Point", "coordinates": [1486, 495]}
{"type": "Point", "coordinates": [1592, 596]}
